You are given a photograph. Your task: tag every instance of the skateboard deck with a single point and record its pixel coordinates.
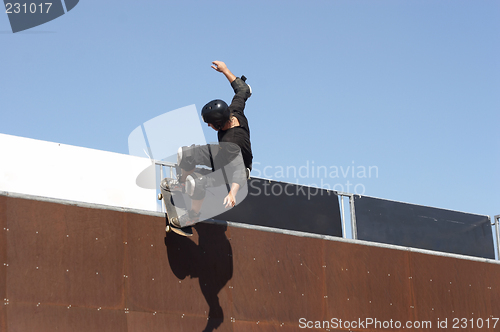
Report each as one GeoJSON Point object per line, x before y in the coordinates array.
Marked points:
{"type": "Point", "coordinates": [173, 213]}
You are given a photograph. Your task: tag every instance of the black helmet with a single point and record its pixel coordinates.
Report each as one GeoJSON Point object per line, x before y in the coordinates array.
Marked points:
{"type": "Point", "coordinates": [216, 113]}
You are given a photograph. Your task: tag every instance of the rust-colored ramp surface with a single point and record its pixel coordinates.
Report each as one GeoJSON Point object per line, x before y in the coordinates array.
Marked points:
{"type": "Point", "coordinates": [70, 268]}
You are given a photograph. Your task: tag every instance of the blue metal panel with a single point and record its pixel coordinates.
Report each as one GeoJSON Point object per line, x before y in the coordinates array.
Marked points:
{"type": "Point", "coordinates": [423, 227]}
{"type": "Point", "coordinates": [288, 206]}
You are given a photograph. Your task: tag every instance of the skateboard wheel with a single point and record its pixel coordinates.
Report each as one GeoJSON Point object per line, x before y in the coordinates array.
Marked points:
{"type": "Point", "coordinates": [160, 197]}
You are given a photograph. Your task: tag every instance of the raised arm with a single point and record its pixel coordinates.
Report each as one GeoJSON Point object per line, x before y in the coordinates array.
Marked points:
{"type": "Point", "coordinates": [241, 89]}
{"type": "Point", "coordinates": [222, 68]}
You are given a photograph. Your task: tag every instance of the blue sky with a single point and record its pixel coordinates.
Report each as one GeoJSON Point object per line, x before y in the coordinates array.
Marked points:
{"type": "Point", "coordinates": [408, 88]}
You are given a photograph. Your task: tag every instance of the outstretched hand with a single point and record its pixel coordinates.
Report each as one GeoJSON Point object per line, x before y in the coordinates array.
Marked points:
{"type": "Point", "coordinates": [219, 66]}
{"type": "Point", "coordinates": [229, 201]}
{"type": "Point", "coordinates": [222, 68]}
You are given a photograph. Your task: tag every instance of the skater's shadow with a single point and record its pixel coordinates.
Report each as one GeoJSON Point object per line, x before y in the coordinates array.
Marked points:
{"type": "Point", "coordinates": [211, 261]}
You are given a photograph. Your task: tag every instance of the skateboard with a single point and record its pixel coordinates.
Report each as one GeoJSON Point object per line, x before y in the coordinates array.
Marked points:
{"type": "Point", "coordinates": [173, 212]}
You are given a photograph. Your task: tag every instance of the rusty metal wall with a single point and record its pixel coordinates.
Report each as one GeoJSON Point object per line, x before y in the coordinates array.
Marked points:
{"type": "Point", "coordinates": [3, 263]}
{"type": "Point", "coordinates": [71, 268]}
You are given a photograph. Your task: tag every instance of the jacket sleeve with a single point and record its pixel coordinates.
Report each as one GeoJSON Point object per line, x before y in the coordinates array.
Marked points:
{"type": "Point", "coordinates": [241, 94]}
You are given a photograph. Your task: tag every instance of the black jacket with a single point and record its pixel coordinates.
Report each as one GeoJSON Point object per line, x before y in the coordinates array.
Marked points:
{"type": "Point", "coordinates": [239, 135]}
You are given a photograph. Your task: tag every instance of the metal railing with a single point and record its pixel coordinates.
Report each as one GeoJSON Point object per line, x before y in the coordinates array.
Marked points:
{"type": "Point", "coordinates": [352, 210]}
{"type": "Point", "coordinates": [496, 222]}
{"type": "Point", "coordinates": [163, 169]}
{"type": "Point", "coordinates": [162, 165]}
{"type": "Point", "coordinates": [166, 169]}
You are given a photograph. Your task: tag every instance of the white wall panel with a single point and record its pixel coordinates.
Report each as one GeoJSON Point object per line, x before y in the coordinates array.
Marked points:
{"type": "Point", "coordinates": [53, 170]}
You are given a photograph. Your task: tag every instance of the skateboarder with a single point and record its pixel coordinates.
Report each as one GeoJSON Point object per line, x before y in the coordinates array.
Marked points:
{"type": "Point", "coordinates": [233, 155]}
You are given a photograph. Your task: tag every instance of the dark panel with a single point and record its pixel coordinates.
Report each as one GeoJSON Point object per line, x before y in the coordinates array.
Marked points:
{"type": "Point", "coordinates": [423, 227]}
{"type": "Point", "coordinates": [288, 206]}
{"type": "Point", "coordinates": [70, 4]}
{"type": "Point", "coordinates": [28, 14]}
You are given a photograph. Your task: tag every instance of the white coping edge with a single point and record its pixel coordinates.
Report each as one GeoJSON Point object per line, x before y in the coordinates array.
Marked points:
{"type": "Point", "coordinates": [253, 227]}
